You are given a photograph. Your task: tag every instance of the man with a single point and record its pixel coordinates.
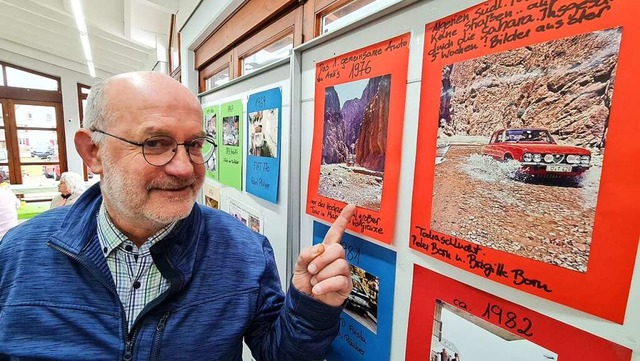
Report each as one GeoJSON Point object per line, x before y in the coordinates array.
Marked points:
{"type": "Point", "coordinates": [133, 270]}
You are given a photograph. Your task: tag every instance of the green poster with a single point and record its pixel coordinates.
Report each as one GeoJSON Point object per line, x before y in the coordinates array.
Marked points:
{"type": "Point", "coordinates": [230, 147]}
{"type": "Point", "coordinates": [211, 124]}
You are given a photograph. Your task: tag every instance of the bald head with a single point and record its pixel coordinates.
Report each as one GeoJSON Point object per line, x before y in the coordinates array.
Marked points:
{"type": "Point", "coordinates": [113, 99]}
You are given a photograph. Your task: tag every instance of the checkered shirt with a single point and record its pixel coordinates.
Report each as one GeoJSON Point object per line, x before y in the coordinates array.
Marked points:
{"type": "Point", "coordinates": [138, 281]}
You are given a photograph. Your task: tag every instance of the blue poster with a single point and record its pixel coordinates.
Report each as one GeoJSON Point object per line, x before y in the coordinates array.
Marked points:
{"type": "Point", "coordinates": [264, 113]}
{"type": "Point", "coordinates": [365, 324]}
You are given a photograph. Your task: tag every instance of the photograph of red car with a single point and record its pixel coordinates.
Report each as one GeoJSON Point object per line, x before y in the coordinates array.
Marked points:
{"type": "Point", "coordinates": [538, 154]}
{"type": "Point", "coordinates": [520, 147]}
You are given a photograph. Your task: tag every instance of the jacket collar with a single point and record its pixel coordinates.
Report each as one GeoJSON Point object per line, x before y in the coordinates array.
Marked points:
{"type": "Point", "coordinates": [78, 235]}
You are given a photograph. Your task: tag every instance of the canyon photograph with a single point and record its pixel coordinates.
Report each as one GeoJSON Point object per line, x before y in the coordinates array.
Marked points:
{"type": "Point", "coordinates": [356, 117]}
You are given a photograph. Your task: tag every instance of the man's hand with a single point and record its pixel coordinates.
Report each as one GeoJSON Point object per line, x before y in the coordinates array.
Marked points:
{"type": "Point", "coordinates": [322, 271]}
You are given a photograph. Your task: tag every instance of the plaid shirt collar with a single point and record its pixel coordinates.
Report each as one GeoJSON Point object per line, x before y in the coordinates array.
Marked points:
{"type": "Point", "coordinates": [111, 237]}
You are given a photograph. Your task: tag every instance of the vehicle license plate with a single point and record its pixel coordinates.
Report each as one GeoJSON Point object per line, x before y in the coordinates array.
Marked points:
{"type": "Point", "coordinates": [558, 168]}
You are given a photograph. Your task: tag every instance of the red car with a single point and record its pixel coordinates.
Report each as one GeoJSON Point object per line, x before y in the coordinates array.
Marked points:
{"type": "Point", "coordinates": [538, 153]}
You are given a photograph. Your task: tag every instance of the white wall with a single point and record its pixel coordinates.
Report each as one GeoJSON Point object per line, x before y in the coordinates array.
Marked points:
{"type": "Point", "coordinates": [69, 81]}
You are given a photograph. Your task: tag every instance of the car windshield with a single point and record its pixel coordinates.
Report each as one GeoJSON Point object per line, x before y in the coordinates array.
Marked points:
{"type": "Point", "coordinates": [528, 135]}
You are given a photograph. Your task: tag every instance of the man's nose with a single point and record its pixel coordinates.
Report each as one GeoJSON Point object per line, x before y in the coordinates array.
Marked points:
{"type": "Point", "coordinates": [180, 165]}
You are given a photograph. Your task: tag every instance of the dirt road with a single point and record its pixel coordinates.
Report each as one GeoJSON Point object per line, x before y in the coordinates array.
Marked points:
{"type": "Point", "coordinates": [475, 199]}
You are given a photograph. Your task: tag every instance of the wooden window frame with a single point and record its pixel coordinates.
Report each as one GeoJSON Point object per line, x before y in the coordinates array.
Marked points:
{"type": "Point", "coordinates": [251, 17]}
{"type": "Point", "coordinates": [218, 65]}
{"type": "Point", "coordinates": [231, 53]}
{"type": "Point", "coordinates": [35, 72]}
{"type": "Point", "coordinates": [82, 96]}
{"type": "Point", "coordinates": [265, 37]}
{"type": "Point", "coordinates": [174, 39]}
{"type": "Point", "coordinates": [9, 97]}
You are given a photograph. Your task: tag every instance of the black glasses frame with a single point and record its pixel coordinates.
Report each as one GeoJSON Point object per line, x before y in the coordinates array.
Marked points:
{"type": "Point", "coordinates": [186, 145]}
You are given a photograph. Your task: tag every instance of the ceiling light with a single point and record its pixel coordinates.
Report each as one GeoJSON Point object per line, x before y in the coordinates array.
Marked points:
{"type": "Point", "coordinates": [84, 35]}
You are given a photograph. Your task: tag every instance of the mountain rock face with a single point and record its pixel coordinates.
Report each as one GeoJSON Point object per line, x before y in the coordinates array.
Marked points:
{"type": "Point", "coordinates": [564, 85]}
{"type": "Point", "coordinates": [334, 148]}
{"type": "Point", "coordinates": [352, 112]}
{"type": "Point", "coordinates": [371, 145]}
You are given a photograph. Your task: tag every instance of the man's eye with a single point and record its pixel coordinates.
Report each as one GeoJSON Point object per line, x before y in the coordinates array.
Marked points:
{"type": "Point", "coordinates": [151, 143]}
{"type": "Point", "coordinates": [196, 143]}
{"type": "Point", "coordinates": [159, 142]}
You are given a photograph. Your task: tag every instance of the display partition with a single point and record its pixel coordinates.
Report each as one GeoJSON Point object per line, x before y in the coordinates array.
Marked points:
{"type": "Point", "coordinates": [412, 19]}
{"type": "Point", "coordinates": [261, 215]}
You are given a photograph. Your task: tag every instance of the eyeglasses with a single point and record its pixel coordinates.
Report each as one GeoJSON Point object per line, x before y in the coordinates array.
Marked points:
{"type": "Point", "coordinates": [161, 149]}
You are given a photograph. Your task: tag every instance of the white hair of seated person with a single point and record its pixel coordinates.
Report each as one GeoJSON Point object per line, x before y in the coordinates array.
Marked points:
{"type": "Point", "coordinates": [73, 181]}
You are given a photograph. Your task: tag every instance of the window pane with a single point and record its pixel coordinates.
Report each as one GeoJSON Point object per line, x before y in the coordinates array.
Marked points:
{"type": "Point", "coordinates": [39, 116]}
{"type": "Point", "coordinates": [217, 79]}
{"type": "Point", "coordinates": [23, 79]}
{"type": "Point", "coordinates": [4, 172]}
{"type": "Point", "coordinates": [175, 58]}
{"type": "Point", "coordinates": [37, 146]}
{"type": "Point", "coordinates": [4, 156]}
{"type": "Point", "coordinates": [268, 55]}
{"type": "Point", "coordinates": [1, 116]}
{"type": "Point", "coordinates": [351, 12]}
{"type": "Point", "coordinates": [4, 153]}
{"type": "Point", "coordinates": [42, 176]}
{"type": "Point", "coordinates": [84, 90]}
{"type": "Point", "coordinates": [1, 76]}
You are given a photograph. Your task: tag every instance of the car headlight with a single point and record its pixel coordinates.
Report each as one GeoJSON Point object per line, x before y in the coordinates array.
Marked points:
{"type": "Point", "coordinates": [548, 158]}
{"type": "Point", "coordinates": [585, 160]}
{"type": "Point", "coordinates": [527, 157]}
{"type": "Point", "coordinates": [572, 159]}
{"type": "Point", "coordinates": [537, 158]}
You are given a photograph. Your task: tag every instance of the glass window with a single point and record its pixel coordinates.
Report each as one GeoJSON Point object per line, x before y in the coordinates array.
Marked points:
{"type": "Point", "coordinates": [217, 79]}
{"type": "Point", "coordinates": [1, 116]}
{"type": "Point", "coordinates": [352, 11]}
{"type": "Point", "coordinates": [1, 76]}
{"type": "Point", "coordinates": [85, 90]}
{"type": "Point", "coordinates": [277, 50]}
{"type": "Point", "coordinates": [35, 116]}
{"type": "Point", "coordinates": [37, 145]}
{"type": "Point", "coordinates": [23, 79]}
{"type": "Point", "coordinates": [4, 153]}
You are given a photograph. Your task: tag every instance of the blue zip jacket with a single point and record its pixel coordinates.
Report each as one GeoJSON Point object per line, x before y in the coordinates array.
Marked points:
{"type": "Point", "coordinates": [58, 300]}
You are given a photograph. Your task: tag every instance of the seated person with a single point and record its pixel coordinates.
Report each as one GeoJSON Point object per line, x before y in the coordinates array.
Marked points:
{"type": "Point", "coordinates": [70, 187]}
{"type": "Point", "coordinates": [9, 205]}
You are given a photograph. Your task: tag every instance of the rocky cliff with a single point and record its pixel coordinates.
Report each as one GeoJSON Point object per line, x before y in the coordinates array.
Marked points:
{"type": "Point", "coordinates": [334, 149]}
{"type": "Point", "coordinates": [352, 112]}
{"type": "Point", "coordinates": [371, 145]}
{"type": "Point", "coordinates": [565, 85]}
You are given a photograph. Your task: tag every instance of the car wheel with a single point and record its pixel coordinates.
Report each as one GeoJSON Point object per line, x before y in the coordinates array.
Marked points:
{"type": "Point", "coordinates": [507, 157]}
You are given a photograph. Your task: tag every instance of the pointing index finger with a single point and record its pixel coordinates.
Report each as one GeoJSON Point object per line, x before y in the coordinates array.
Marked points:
{"type": "Point", "coordinates": [334, 235]}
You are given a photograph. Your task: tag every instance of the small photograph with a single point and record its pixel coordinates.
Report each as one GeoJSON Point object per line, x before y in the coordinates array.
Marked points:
{"type": "Point", "coordinates": [238, 213]}
{"type": "Point", "coordinates": [461, 336]}
{"type": "Point", "coordinates": [210, 125]}
{"type": "Point", "coordinates": [354, 144]}
{"type": "Point", "coordinates": [254, 223]}
{"type": "Point", "coordinates": [263, 133]}
{"type": "Point", "coordinates": [210, 131]}
{"type": "Point", "coordinates": [362, 304]}
{"type": "Point", "coordinates": [210, 202]}
{"type": "Point", "coordinates": [231, 129]}
{"type": "Point", "coordinates": [520, 147]}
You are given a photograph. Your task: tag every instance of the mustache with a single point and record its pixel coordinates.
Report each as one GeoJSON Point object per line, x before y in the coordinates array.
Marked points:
{"type": "Point", "coordinates": [172, 183]}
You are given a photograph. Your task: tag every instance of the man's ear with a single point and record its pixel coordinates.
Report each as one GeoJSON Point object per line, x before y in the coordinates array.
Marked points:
{"type": "Point", "coordinates": [88, 150]}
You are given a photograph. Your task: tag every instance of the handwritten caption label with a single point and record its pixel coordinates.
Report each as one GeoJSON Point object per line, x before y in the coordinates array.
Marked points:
{"type": "Point", "coordinates": [471, 256]}
{"type": "Point", "coordinates": [362, 220]}
{"type": "Point", "coordinates": [500, 22]}
{"type": "Point", "coordinates": [357, 64]}
{"type": "Point", "coordinates": [352, 336]}
{"type": "Point", "coordinates": [509, 319]}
